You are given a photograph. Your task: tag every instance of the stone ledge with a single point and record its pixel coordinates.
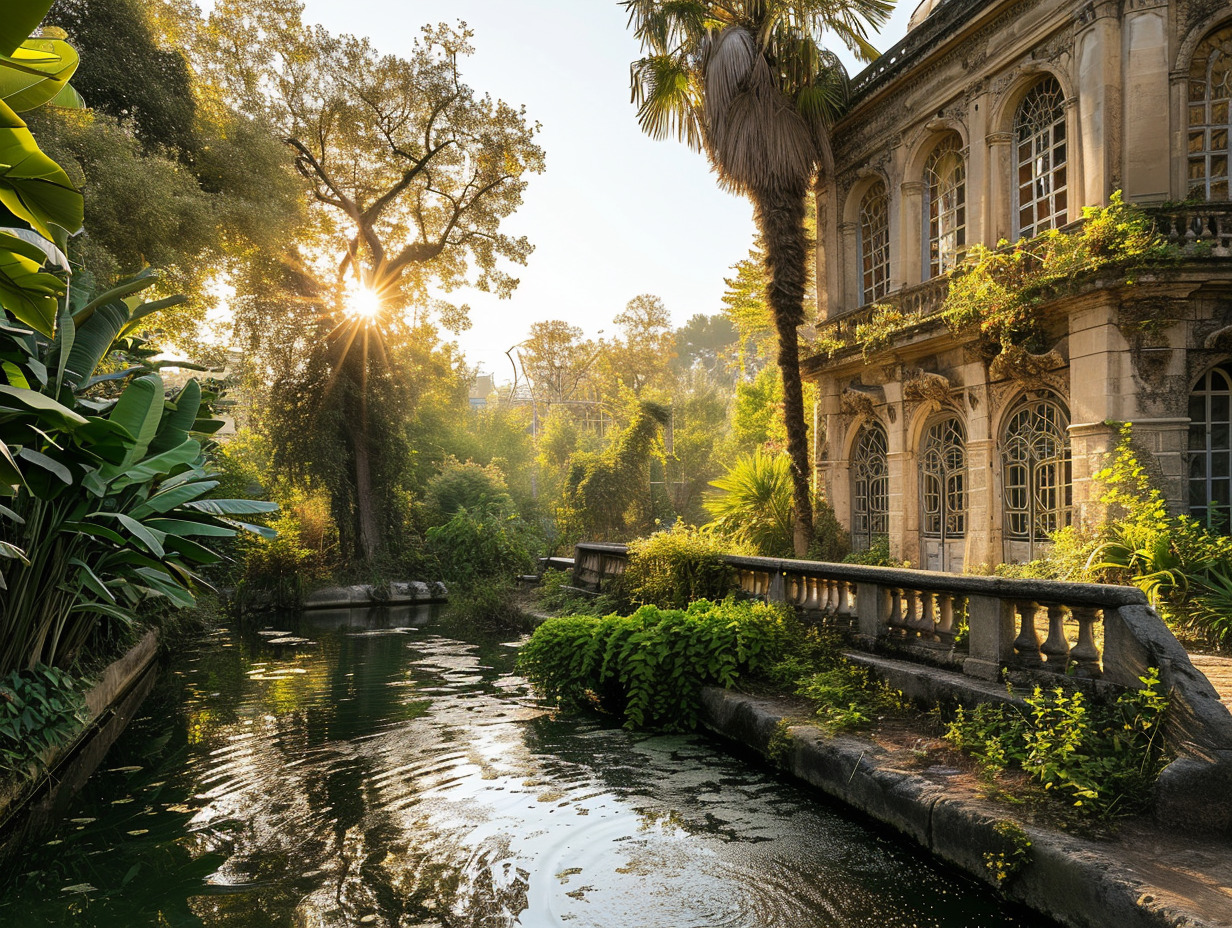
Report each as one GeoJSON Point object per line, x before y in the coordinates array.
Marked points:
{"type": "Point", "coordinates": [361, 595]}
{"type": "Point", "coordinates": [1147, 881]}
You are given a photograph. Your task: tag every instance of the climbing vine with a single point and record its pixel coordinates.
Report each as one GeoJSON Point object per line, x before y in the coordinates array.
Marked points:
{"type": "Point", "coordinates": [997, 294]}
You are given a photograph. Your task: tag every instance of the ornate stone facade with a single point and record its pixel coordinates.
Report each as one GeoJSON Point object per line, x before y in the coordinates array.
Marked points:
{"type": "Point", "coordinates": [991, 118]}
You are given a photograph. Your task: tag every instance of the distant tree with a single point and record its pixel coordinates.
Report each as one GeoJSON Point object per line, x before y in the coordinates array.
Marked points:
{"type": "Point", "coordinates": [752, 83]}
{"type": "Point", "coordinates": [703, 342]}
{"type": "Point", "coordinates": [412, 173]}
{"type": "Point", "coordinates": [637, 359]}
{"type": "Point", "coordinates": [557, 360]}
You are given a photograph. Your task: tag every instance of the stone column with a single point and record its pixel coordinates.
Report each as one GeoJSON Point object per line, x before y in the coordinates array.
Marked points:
{"type": "Point", "coordinates": [1101, 390]}
{"type": "Point", "coordinates": [1099, 102]}
{"type": "Point", "coordinates": [978, 168]}
{"type": "Point", "coordinates": [852, 294]}
{"type": "Point", "coordinates": [1002, 197]}
{"type": "Point", "coordinates": [910, 230]}
{"type": "Point", "coordinates": [1148, 116]}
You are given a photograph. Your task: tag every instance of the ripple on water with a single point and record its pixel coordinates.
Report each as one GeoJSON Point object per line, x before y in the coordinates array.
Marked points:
{"type": "Point", "coordinates": [383, 778]}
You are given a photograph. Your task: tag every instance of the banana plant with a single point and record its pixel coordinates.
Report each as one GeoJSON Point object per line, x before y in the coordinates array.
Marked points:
{"type": "Point", "coordinates": [34, 190]}
{"type": "Point", "coordinates": [106, 479]}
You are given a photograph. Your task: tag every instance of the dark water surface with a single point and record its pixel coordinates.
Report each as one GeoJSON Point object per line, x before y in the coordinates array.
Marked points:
{"type": "Point", "coordinates": [379, 772]}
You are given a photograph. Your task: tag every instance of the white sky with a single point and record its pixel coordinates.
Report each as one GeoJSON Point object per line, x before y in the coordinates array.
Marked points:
{"type": "Point", "coordinates": [616, 213]}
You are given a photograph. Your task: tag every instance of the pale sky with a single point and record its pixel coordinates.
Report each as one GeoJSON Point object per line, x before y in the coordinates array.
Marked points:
{"type": "Point", "coordinates": [616, 213]}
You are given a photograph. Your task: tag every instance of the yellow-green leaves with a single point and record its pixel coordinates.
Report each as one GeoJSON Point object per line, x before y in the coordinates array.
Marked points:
{"type": "Point", "coordinates": [18, 18]}
{"type": "Point", "coordinates": [32, 186]}
{"type": "Point", "coordinates": [36, 73]}
{"type": "Point", "coordinates": [27, 292]}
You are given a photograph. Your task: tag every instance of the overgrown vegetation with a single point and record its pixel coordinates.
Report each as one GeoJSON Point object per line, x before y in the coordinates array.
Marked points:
{"type": "Point", "coordinates": [1184, 566]}
{"type": "Point", "coordinates": [674, 568]}
{"type": "Point", "coordinates": [1102, 758]}
{"type": "Point", "coordinates": [40, 709]}
{"type": "Point", "coordinates": [998, 293]}
{"type": "Point", "coordinates": [649, 668]}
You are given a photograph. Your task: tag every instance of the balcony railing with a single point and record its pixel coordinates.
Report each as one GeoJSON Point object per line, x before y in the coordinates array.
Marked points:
{"type": "Point", "coordinates": [1200, 231]}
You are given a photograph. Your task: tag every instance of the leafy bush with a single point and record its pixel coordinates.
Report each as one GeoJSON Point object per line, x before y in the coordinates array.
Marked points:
{"type": "Point", "coordinates": [470, 486]}
{"type": "Point", "coordinates": [752, 505]}
{"type": "Point", "coordinates": [672, 569]}
{"type": "Point", "coordinates": [830, 540]}
{"type": "Point", "coordinates": [846, 696]}
{"type": "Point", "coordinates": [877, 555]}
{"type": "Point", "coordinates": [1103, 757]}
{"type": "Point", "coordinates": [492, 604]}
{"type": "Point", "coordinates": [40, 709]}
{"type": "Point", "coordinates": [555, 597]}
{"type": "Point", "coordinates": [649, 667]}
{"type": "Point", "coordinates": [474, 546]}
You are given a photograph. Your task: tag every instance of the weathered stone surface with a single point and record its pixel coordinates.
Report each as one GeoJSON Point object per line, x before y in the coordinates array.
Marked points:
{"type": "Point", "coordinates": [1150, 880]}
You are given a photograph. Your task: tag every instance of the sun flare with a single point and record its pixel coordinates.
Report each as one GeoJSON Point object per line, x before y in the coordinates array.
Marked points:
{"type": "Point", "coordinates": [362, 302]}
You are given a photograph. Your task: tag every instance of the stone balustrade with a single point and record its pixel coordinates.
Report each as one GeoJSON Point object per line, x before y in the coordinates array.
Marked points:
{"type": "Point", "coordinates": [1197, 229]}
{"type": "Point", "coordinates": [1037, 625]}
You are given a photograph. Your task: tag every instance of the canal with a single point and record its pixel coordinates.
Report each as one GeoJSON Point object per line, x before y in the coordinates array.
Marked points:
{"type": "Point", "coordinates": [353, 769]}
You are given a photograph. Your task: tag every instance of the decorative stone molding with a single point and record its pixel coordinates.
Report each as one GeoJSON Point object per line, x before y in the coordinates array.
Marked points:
{"type": "Point", "coordinates": [1219, 340]}
{"type": "Point", "coordinates": [1017, 363]}
{"type": "Point", "coordinates": [922, 386]}
{"type": "Point", "coordinates": [859, 400]}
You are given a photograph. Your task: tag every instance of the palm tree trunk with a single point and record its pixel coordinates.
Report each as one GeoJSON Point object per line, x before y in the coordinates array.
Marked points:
{"type": "Point", "coordinates": [779, 214]}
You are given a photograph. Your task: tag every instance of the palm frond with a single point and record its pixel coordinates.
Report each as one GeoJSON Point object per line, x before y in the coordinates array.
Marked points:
{"type": "Point", "coordinates": [666, 98]}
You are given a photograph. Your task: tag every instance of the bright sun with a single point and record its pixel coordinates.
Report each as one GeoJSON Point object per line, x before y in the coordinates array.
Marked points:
{"type": "Point", "coordinates": [362, 302]}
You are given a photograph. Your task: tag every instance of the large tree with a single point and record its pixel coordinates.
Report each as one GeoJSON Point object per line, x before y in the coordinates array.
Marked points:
{"type": "Point", "coordinates": [752, 83]}
{"type": "Point", "coordinates": [412, 172]}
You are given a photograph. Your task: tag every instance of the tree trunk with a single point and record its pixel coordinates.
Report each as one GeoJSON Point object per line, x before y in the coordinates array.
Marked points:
{"type": "Point", "coordinates": [780, 219]}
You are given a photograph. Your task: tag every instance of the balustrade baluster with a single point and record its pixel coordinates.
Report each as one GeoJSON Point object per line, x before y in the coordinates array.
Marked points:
{"type": "Point", "coordinates": [844, 606]}
{"type": "Point", "coordinates": [928, 615]}
{"type": "Point", "coordinates": [792, 584]}
{"type": "Point", "coordinates": [1084, 654]}
{"type": "Point", "coordinates": [945, 619]}
{"type": "Point", "coordinates": [1026, 645]}
{"type": "Point", "coordinates": [896, 610]}
{"type": "Point", "coordinates": [825, 595]}
{"type": "Point", "coordinates": [1056, 648]}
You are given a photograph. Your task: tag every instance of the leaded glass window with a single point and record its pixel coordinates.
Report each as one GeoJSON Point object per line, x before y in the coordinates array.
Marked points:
{"type": "Point", "coordinates": [1210, 449]}
{"type": "Point", "coordinates": [870, 489]}
{"type": "Point", "coordinates": [1036, 471]}
{"type": "Point", "coordinates": [875, 242]}
{"type": "Point", "coordinates": [945, 177]}
{"type": "Point", "coordinates": [1210, 123]}
{"type": "Point", "coordinates": [943, 479]}
{"type": "Point", "coordinates": [1039, 140]}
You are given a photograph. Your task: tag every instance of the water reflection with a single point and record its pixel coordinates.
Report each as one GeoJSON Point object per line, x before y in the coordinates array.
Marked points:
{"type": "Point", "coordinates": [367, 769]}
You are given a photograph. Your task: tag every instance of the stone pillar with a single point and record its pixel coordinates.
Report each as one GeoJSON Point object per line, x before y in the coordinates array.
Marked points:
{"type": "Point", "coordinates": [852, 294]}
{"type": "Point", "coordinates": [978, 168]}
{"type": "Point", "coordinates": [991, 639]}
{"type": "Point", "coordinates": [1101, 390]}
{"type": "Point", "coordinates": [1178, 85]}
{"type": "Point", "coordinates": [1002, 195]}
{"type": "Point", "coordinates": [982, 504]}
{"type": "Point", "coordinates": [910, 231]}
{"type": "Point", "coordinates": [1148, 116]}
{"type": "Point", "coordinates": [1099, 102]}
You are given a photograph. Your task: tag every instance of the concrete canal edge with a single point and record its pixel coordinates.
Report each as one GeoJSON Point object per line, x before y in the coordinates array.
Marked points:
{"type": "Point", "coordinates": [413, 592]}
{"type": "Point", "coordinates": [1080, 883]}
{"type": "Point", "coordinates": [26, 805]}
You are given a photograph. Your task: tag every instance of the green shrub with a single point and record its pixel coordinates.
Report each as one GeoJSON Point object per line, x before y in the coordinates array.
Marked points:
{"type": "Point", "coordinates": [40, 709]}
{"type": "Point", "coordinates": [878, 555]}
{"type": "Point", "coordinates": [1104, 758]}
{"type": "Point", "coordinates": [649, 668]}
{"type": "Point", "coordinates": [555, 597]}
{"type": "Point", "coordinates": [846, 696]}
{"type": "Point", "coordinates": [474, 546]}
{"type": "Point", "coordinates": [483, 606]}
{"type": "Point", "coordinates": [751, 505]}
{"type": "Point", "coordinates": [672, 569]}
{"type": "Point", "coordinates": [478, 489]}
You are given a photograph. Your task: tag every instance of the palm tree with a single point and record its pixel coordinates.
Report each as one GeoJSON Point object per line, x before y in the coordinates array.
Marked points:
{"type": "Point", "coordinates": [752, 84]}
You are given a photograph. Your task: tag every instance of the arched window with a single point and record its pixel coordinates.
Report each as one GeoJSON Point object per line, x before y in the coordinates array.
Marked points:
{"type": "Point", "coordinates": [1039, 140]}
{"type": "Point", "coordinates": [1210, 96]}
{"type": "Point", "coordinates": [945, 180]}
{"type": "Point", "coordinates": [943, 480]}
{"type": "Point", "coordinates": [1210, 449]}
{"type": "Point", "coordinates": [870, 489]}
{"type": "Point", "coordinates": [1036, 472]}
{"type": "Point", "coordinates": [875, 242]}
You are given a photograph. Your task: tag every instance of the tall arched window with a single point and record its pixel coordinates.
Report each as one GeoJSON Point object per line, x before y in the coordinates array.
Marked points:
{"type": "Point", "coordinates": [1210, 123]}
{"type": "Point", "coordinates": [943, 479]}
{"type": "Point", "coordinates": [945, 180]}
{"type": "Point", "coordinates": [875, 242]}
{"type": "Point", "coordinates": [1039, 141]}
{"type": "Point", "coordinates": [1210, 449]}
{"type": "Point", "coordinates": [1036, 472]}
{"type": "Point", "coordinates": [870, 488]}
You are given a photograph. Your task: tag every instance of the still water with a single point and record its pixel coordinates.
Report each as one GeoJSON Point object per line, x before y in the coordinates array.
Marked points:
{"type": "Point", "coordinates": [354, 769]}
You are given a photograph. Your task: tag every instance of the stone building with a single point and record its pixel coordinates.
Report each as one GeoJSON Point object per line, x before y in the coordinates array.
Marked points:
{"type": "Point", "coordinates": [994, 120]}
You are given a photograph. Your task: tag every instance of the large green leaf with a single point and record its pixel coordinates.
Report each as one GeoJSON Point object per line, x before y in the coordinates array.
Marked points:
{"type": "Point", "coordinates": [36, 73]}
{"type": "Point", "coordinates": [138, 412]}
{"type": "Point", "coordinates": [232, 507]}
{"type": "Point", "coordinates": [27, 291]}
{"type": "Point", "coordinates": [159, 464]}
{"type": "Point", "coordinates": [95, 335]}
{"type": "Point", "coordinates": [184, 529]}
{"type": "Point", "coordinates": [178, 419]}
{"type": "Point", "coordinates": [161, 582]}
{"type": "Point", "coordinates": [32, 186]}
{"type": "Point", "coordinates": [152, 540]}
{"type": "Point", "coordinates": [50, 413]}
{"type": "Point", "coordinates": [18, 18]}
{"type": "Point", "coordinates": [135, 284]}
{"type": "Point", "coordinates": [166, 500]}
